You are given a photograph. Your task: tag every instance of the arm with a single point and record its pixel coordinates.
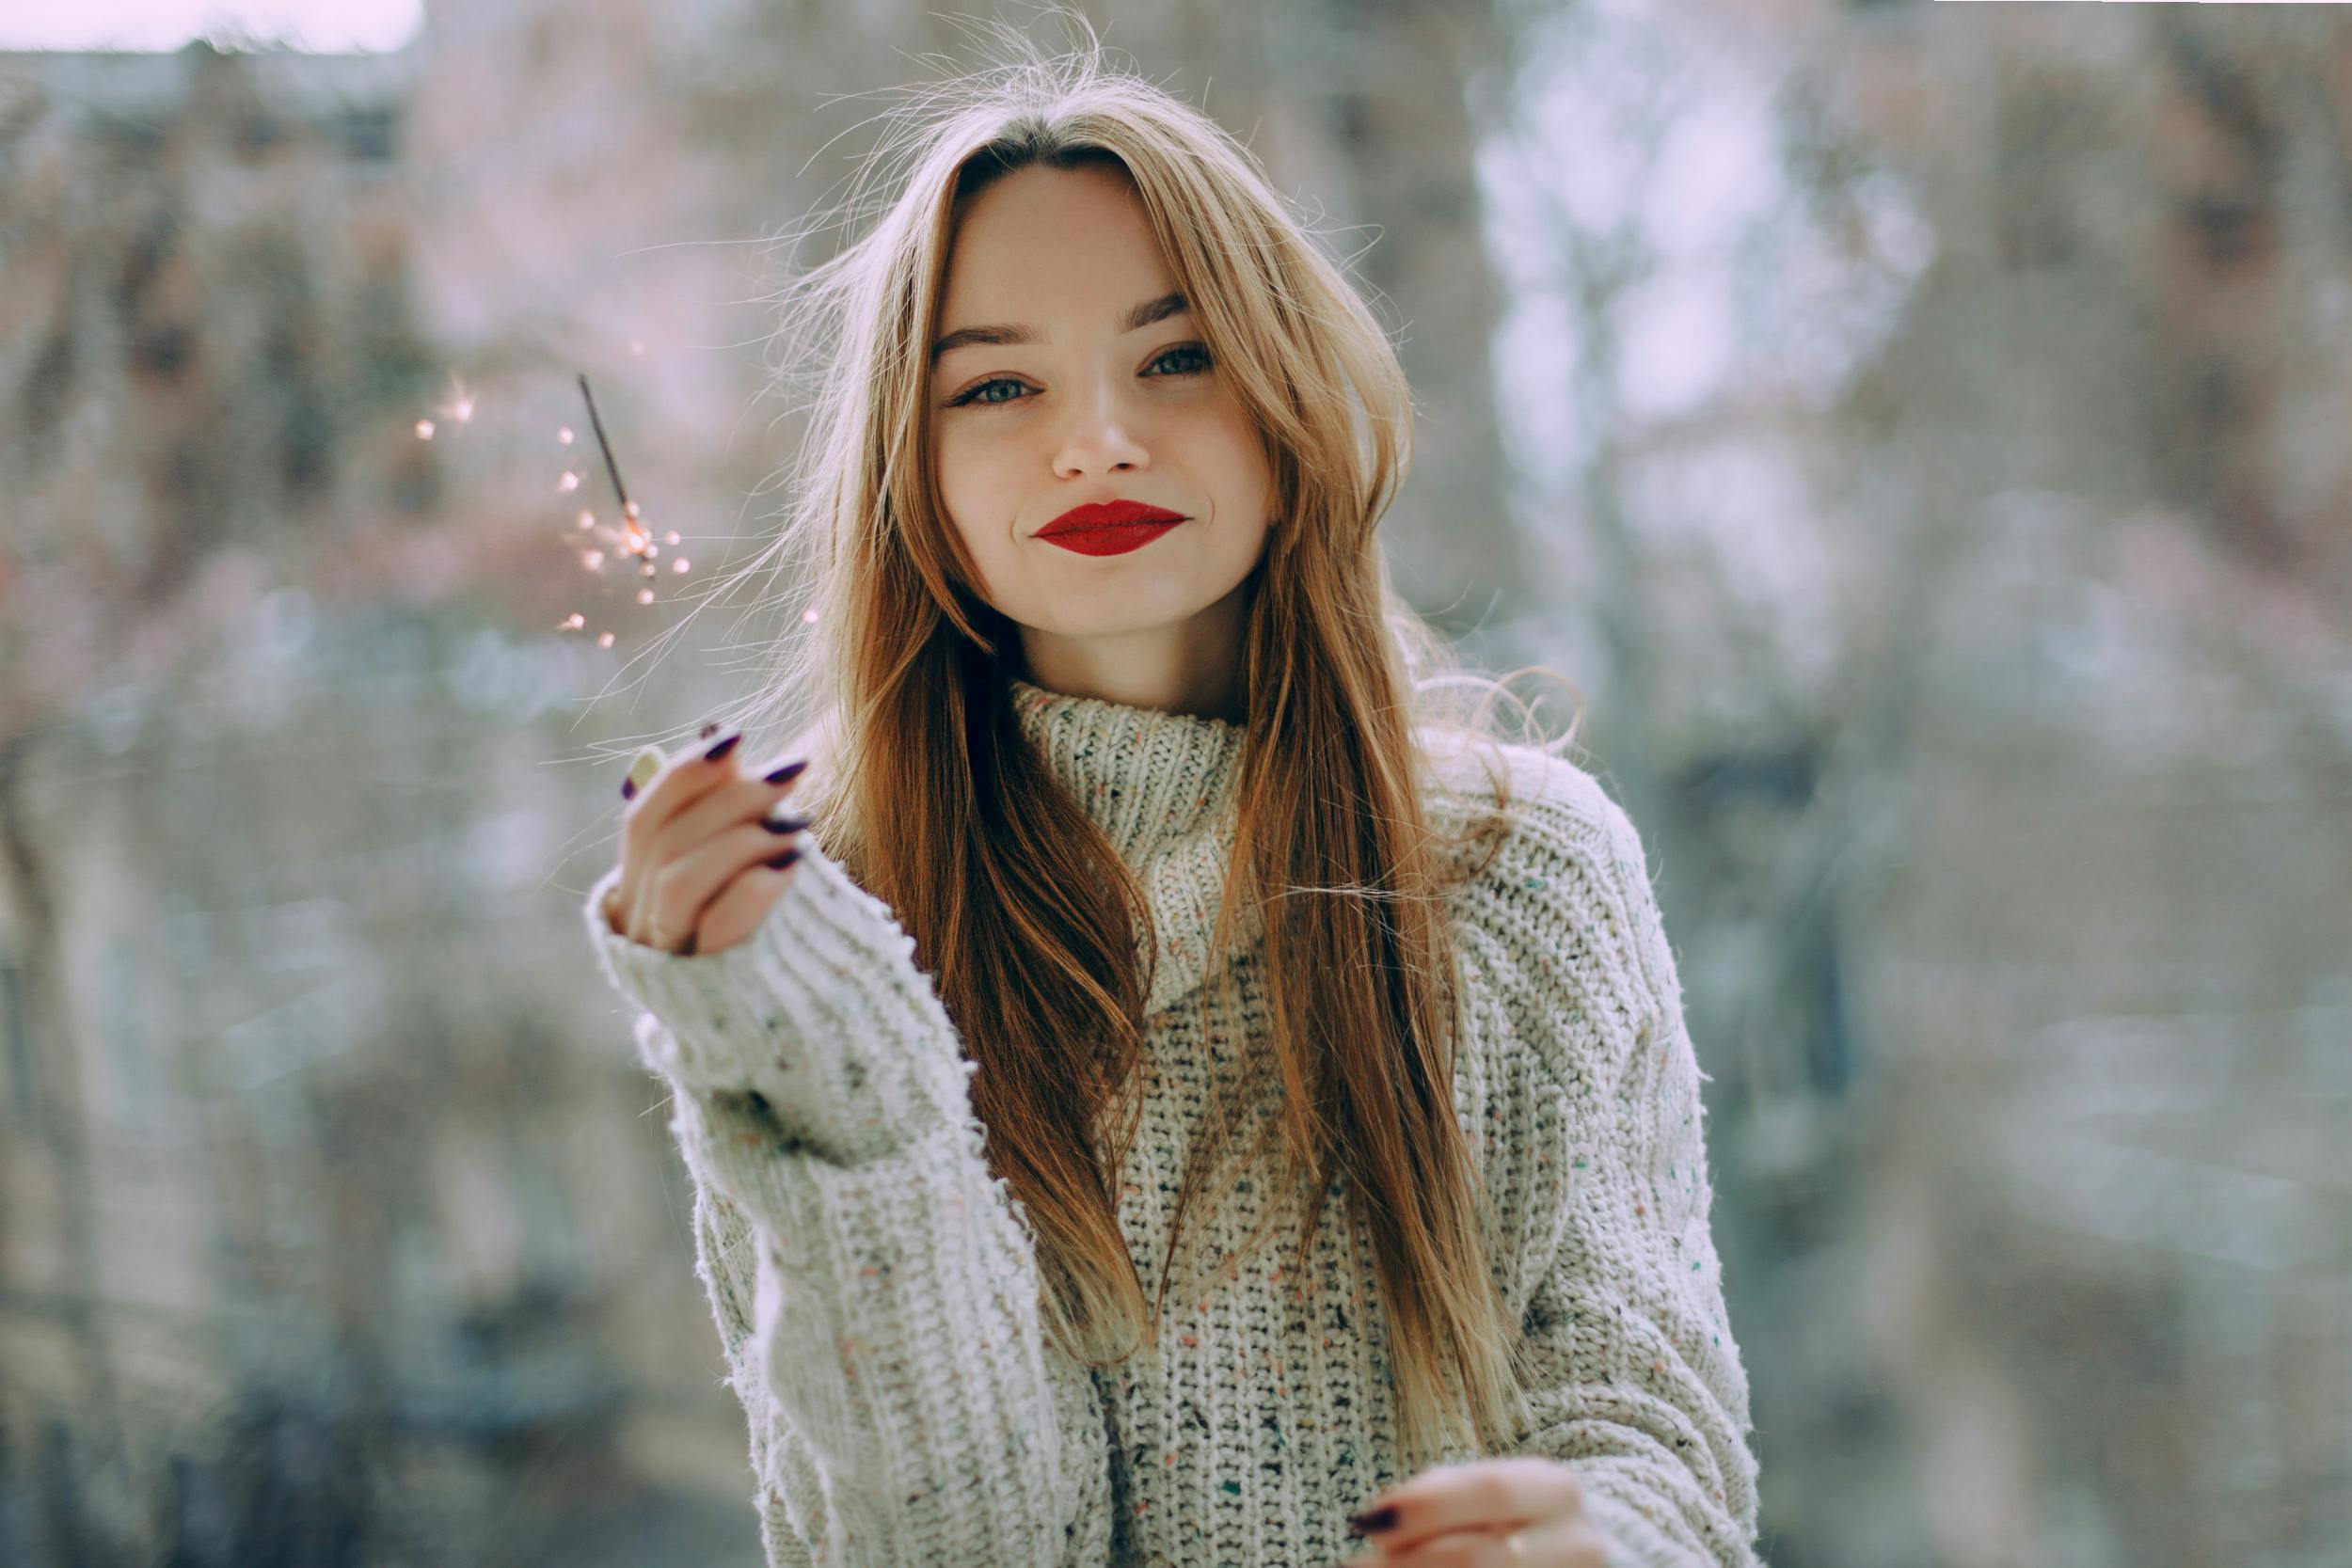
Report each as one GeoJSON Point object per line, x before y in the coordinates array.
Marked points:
{"type": "Point", "coordinates": [725, 1254]}
{"type": "Point", "coordinates": [1631, 1373]}
{"type": "Point", "coordinates": [904, 1404]}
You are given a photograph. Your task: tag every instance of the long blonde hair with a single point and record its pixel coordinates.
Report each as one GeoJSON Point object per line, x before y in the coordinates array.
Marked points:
{"type": "Point", "coordinates": [897, 681]}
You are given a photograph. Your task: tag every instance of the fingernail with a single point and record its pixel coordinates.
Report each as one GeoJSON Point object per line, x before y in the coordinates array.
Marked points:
{"type": "Point", "coordinates": [640, 772]}
{"type": "Point", "coordinates": [789, 771]}
{"type": "Point", "coordinates": [777, 863]}
{"type": "Point", "coordinates": [1379, 1518]}
{"type": "Point", "coordinates": [723, 748]}
{"type": "Point", "coordinates": [784, 824]}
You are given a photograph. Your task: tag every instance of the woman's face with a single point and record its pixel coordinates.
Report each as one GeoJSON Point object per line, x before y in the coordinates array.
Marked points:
{"type": "Point", "coordinates": [1096, 403]}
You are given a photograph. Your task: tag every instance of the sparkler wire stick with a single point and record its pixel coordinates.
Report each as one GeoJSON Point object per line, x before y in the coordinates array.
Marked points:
{"type": "Point", "coordinates": [610, 467]}
{"type": "Point", "coordinates": [649, 761]}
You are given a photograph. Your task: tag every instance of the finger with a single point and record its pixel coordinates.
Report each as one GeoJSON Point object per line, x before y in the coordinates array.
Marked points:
{"type": "Point", "coordinates": [684, 890]}
{"type": "Point", "coordinates": [1474, 1546]}
{"type": "Point", "coordinates": [1574, 1544]}
{"type": "Point", "coordinates": [738, 804]}
{"type": "Point", "coordinates": [654, 796]}
{"type": "Point", "coordinates": [622, 895]}
{"type": "Point", "coordinates": [741, 905]}
{"type": "Point", "coordinates": [684, 780]}
{"type": "Point", "coordinates": [1569, 1543]}
{"type": "Point", "coordinates": [643, 772]}
{"type": "Point", "coordinates": [1490, 1492]}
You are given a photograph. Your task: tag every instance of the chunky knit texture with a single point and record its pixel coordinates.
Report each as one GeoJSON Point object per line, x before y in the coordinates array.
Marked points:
{"type": "Point", "coordinates": [874, 1284]}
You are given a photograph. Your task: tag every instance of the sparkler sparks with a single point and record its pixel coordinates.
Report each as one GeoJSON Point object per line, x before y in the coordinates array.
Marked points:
{"type": "Point", "coordinates": [630, 535]}
{"type": "Point", "coordinates": [459, 408]}
{"type": "Point", "coordinates": [627, 537]}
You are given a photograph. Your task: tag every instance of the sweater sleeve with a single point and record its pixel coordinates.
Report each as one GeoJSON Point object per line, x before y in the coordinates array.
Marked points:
{"type": "Point", "coordinates": [1630, 1368]}
{"type": "Point", "coordinates": [724, 1251]}
{"type": "Point", "coordinates": [875, 1285]}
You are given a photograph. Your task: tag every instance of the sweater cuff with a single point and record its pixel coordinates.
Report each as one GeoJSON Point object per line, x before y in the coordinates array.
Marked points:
{"type": "Point", "coordinates": [1638, 1537]}
{"type": "Point", "coordinates": [820, 1011]}
{"type": "Point", "coordinates": [1630, 1541]}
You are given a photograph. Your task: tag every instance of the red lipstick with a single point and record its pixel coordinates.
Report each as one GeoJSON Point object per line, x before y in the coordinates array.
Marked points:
{"type": "Point", "coordinates": [1109, 528]}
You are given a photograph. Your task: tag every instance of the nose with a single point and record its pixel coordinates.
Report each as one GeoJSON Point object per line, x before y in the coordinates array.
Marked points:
{"type": "Point", "coordinates": [1097, 435]}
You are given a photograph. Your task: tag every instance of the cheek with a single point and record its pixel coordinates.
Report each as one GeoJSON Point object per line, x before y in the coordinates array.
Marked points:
{"type": "Point", "coordinates": [963, 511]}
{"type": "Point", "coordinates": [969, 482]}
{"type": "Point", "coordinates": [1241, 452]}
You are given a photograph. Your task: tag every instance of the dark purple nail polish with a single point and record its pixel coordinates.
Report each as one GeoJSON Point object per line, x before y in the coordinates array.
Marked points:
{"type": "Point", "coordinates": [628, 789]}
{"type": "Point", "coordinates": [777, 863]}
{"type": "Point", "coordinates": [723, 747]}
{"type": "Point", "coordinates": [1378, 1519]}
{"type": "Point", "coordinates": [789, 771]}
{"type": "Point", "coordinates": [785, 824]}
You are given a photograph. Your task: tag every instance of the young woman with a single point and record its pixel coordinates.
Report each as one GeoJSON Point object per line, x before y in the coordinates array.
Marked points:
{"type": "Point", "coordinates": [1143, 910]}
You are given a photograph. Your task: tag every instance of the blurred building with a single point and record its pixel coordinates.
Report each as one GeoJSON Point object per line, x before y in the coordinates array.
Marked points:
{"type": "Point", "coordinates": [291, 1256]}
{"type": "Point", "coordinates": [2016, 926]}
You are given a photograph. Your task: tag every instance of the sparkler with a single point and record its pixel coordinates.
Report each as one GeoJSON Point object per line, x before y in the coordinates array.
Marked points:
{"type": "Point", "coordinates": [631, 536]}
{"type": "Point", "coordinates": [634, 538]}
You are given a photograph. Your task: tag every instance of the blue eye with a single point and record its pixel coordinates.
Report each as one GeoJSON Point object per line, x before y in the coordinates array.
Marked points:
{"type": "Point", "coordinates": [973, 396]}
{"type": "Point", "coordinates": [1188, 348]}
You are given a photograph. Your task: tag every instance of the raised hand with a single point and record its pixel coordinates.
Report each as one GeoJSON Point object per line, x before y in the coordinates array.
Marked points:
{"type": "Point", "coordinates": [701, 859]}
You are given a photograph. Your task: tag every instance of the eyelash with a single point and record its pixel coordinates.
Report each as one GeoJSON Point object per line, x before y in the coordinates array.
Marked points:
{"type": "Point", "coordinates": [971, 395]}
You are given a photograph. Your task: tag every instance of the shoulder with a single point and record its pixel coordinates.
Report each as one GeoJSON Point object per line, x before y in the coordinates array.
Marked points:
{"type": "Point", "coordinates": [1554, 813]}
{"type": "Point", "coordinates": [1563, 912]}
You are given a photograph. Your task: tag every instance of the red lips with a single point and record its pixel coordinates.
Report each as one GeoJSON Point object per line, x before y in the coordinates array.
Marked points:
{"type": "Point", "coordinates": [1108, 528]}
{"type": "Point", "coordinates": [1112, 514]}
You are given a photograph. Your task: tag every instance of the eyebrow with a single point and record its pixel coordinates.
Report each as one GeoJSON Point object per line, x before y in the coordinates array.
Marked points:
{"type": "Point", "coordinates": [1136, 319]}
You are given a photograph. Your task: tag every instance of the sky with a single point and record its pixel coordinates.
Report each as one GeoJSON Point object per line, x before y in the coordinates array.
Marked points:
{"type": "Point", "coordinates": [324, 26]}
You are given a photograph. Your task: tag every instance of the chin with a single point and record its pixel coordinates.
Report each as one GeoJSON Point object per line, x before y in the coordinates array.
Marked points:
{"type": "Point", "coordinates": [1112, 617]}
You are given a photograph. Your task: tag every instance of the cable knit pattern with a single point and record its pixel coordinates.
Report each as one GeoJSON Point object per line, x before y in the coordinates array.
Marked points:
{"type": "Point", "coordinates": [874, 1285]}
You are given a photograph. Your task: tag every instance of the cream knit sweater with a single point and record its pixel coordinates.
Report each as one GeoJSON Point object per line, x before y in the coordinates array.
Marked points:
{"type": "Point", "coordinates": [874, 1284]}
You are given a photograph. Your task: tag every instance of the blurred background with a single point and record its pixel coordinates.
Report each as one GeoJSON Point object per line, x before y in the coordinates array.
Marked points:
{"type": "Point", "coordinates": [1924, 431]}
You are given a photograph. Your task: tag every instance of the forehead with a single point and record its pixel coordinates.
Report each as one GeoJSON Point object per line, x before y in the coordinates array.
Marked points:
{"type": "Point", "coordinates": [1047, 245]}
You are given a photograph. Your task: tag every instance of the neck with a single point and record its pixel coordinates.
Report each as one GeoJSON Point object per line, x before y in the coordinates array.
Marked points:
{"type": "Point", "coordinates": [1192, 670]}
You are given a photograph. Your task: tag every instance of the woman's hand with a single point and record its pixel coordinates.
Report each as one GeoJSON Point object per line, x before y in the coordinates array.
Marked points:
{"type": "Point", "coordinates": [1518, 1513]}
{"type": "Point", "coordinates": [701, 860]}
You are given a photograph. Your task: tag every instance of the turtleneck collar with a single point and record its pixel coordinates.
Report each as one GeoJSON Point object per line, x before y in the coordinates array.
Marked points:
{"type": "Point", "coordinates": [1148, 778]}
{"type": "Point", "coordinates": [1161, 787]}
